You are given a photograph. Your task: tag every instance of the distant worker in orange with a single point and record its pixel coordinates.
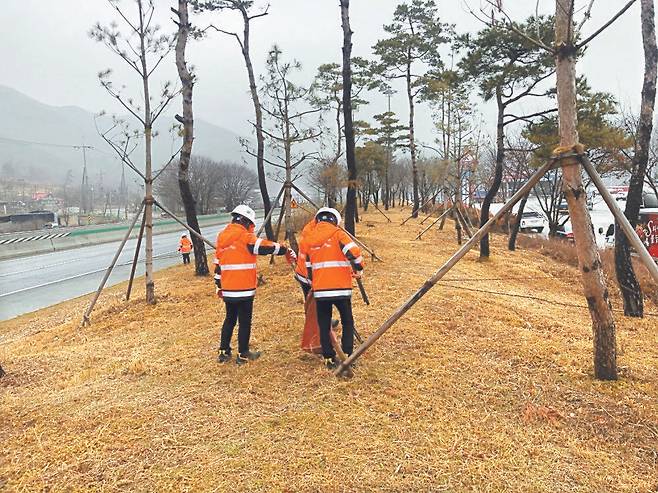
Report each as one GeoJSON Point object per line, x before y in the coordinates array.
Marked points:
{"type": "Point", "coordinates": [334, 260]}
{"type": "Point", "coordinates": [236, 279]}
{"type": "Point", "coordinates": [185, 247]}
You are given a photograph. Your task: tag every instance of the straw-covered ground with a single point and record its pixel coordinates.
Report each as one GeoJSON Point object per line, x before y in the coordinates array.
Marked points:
{"type": "Point", "coordinates": [468, 392]}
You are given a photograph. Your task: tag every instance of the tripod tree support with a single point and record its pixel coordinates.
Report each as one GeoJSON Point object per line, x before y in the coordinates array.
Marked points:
{"type": "Point", "coordinates": [621, 219]}
{"type": "Point", "coordinates": [85, 317]}
{"type": "Point", "coordinates": [461, 218]}
{"type": "Point", "coordinates": [135, 259]}
{"type": "Point", "coordinates": [445, 268]}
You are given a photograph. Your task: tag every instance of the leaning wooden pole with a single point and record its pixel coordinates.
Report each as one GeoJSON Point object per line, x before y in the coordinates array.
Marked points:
{"type": "Point", "coordinates": [135, 259]}
{"type": "Point", "coordinates": [85, 317]}
{"type": "Point", "coordinates": [444, 269]}
{"type": "Point", "coordinates": [420, 208]}
{"type": "Point", "coordinates": [433, 223]}
{"type": "Point", "coordinates": [186, 226]}
{"type": "Point", "coordinates": [621, 219]}
{"type": "Point", "coordinates": [268, 217]}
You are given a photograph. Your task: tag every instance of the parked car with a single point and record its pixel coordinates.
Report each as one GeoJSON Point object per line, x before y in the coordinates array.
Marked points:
{"type": "Point", "coordinates": [532, 221]}
{"type": "Point", "coordinates": [50, 226]}
{"type": "Point", "coordinates": [565, 232]}
{"type": "Point", "coordinates": [563, 208]}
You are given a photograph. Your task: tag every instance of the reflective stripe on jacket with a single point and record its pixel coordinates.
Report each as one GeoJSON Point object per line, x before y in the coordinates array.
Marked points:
{"type": "Point", "coordinates": [303, 263]}
{"type": "Point", "coordinates": [332, 255]}
{"type": "Point", "coordinates": [235, 260]}
{"type": "Point", "coordinates": [185, 245]}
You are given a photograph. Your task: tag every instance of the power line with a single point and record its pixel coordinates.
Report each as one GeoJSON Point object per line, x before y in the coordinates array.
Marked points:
{"type": "Point", "coordinates": [47, 144]}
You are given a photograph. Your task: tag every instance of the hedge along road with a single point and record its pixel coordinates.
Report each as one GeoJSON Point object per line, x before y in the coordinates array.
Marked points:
{"type": "Point", "coordinates": [31, 283]}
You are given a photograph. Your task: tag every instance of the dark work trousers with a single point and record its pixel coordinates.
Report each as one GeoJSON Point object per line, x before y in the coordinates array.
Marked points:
{"type": "Point", "coordinates": [237, 311]}
{"type": "Point", "coordinates": [306, 288]}
{"type": "Point", "coordinates": [186, 258]}
{"type": "Point", "coordinates": [344, 307]}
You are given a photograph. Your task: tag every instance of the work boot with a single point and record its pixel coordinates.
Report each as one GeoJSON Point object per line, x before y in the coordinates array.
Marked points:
{"type": "Point", "coordinates": [331, 363]}
{"type": "Point", "coordinates": [334, 324]}
{"type": "Point", "coordinates": [244, 358]}
{"type": "Point", "coordinates": [224, 355]}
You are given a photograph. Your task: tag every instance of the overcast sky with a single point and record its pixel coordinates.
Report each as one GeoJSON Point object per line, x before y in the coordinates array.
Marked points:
{"type": "Point", "coordinates": [48, 55]}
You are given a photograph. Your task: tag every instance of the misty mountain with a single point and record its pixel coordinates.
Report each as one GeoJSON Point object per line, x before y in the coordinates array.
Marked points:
{"type": "Point", "coordinates": [36, 142]}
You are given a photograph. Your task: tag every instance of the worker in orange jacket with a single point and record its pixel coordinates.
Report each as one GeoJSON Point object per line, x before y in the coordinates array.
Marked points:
{"type": "Point", "coordinates": [236, 278]}
{"type": "Point", "coordinates": [334, 260]}
{"type": "Point", "coordinates": [185, 247]}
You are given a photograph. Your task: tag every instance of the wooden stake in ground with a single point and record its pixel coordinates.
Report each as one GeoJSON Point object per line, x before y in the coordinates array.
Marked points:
{"type": "Point", "coordinates": [135, 260]}
{"type": "Point", "coordinates": [85, 317]}
{"type": "Point", "coordinates": [589, 261]}
{"type": "Point", "coordinates": [444, 269]}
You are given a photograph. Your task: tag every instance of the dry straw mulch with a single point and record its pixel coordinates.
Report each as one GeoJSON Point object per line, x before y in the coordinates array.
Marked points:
{"type": "Point", "coordinates": [468, 392]}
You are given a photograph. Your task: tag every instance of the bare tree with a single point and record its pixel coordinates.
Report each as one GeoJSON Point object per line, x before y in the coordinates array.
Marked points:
{"type": "Point", "coordinates": [350, 146]}
{"type": "Point", "coordinates": [286, 103]}
{"type": "Point", "coordinates": [187, 120]}
{"type": "Point", "coordinates": [245, 9]}
{"type": "Point", "coordinates": [142, 48]}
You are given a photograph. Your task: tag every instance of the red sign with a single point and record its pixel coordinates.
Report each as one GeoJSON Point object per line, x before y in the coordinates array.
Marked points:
{"type": "Point", "coordinates": [647, 230]}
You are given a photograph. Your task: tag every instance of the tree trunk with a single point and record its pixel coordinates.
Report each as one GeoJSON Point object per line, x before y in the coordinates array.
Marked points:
{"type": "Point", "coordinates": [626, 278]}
{"type": "Point", "coordinates": [498, 174]}
{"type": "Point", "coordinates": [589, 262]}
{"type": "Point", "coordinates": [148, 165]}
{"type": "Point", "coordinates": [187, 83]}
{"type": "Point", "coordinates": [412, 144]}
{"type": "Point", "coordinates": [350, 206]}
{"type": "Point", "coordinates": [511, 244]}
{"type": "Point", "coordinates": [260, 138]}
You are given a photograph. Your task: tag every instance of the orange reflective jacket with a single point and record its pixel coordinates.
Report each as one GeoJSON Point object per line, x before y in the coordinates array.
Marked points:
{"type": "Point", "coordinates": [303, 264]}
{"type": "Point", "coordinates": [332, 254]}
{"type": "Point", "coordinates": [185, 245]}
{"type": "Point", "coordinates": [235, 261]}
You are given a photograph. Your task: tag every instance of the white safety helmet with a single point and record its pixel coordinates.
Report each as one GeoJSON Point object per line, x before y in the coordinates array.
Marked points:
{"type": "Point", "coordinates": [246, 212]}
{"type": "Point", "coordinates": [330, 210]}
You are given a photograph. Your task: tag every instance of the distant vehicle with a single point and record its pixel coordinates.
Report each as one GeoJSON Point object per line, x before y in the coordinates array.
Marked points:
{"type": "Point", "coordinates": [620, 197]}
{"type": "Point", "coordinates": [532, 221]}
{"type": "Point", "coordinates": [50, 226]}
{"type": "Point", "coordinates": [563, 208]}
{"type": "Point", "coordinates": [565, 232]}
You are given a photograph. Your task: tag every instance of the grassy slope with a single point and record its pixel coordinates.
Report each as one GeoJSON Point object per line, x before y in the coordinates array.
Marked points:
{"type": "Point", "coordinates": [466, 392]}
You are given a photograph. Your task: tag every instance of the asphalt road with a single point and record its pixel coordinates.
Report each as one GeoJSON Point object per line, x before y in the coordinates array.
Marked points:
{"type": "Point", "coordinates": [31, 283]}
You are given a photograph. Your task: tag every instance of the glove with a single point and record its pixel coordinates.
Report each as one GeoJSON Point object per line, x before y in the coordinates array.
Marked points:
{"type": "Point", "coordinates": [218, 292]}
{"type": "Point", "coordinates": [357, 274]}
{"type": "Point", "coordinates": [291, 256]}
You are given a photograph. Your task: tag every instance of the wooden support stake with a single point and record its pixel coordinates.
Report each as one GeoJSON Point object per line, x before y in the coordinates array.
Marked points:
{"type": "Point", "coordinates": [433, 223]}
{"type": "Point", "coordinates": [621, 218]}
{"type": "Point", "coordinates": [381, 212]}
{"type": "Point", "coordinates": [135, 259]}
{"type": "Point", "coordinates": [185, 225]}
{"type": "Point", "coordinates": [420, 208]}
{"type": "Point", "coordinates": [460, 218]}
{"type": "Point", "coordinates": [269, 214]}
{"type": "Point", "coordinates": [85, 317]}
{"type": "Point", "coordinates": [445, 268]}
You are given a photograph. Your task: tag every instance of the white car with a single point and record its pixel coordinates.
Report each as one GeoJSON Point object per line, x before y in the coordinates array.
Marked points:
{"type": "Point", "coordinates": [532, 221]}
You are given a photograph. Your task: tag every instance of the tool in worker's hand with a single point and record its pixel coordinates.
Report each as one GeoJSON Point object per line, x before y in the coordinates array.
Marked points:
{"type": "Point", "coordinates": [364, 295]}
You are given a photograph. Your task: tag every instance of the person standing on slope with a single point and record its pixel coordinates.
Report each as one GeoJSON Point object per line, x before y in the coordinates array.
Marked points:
{"type": "Point", "coordinates": [236, 279]}
{"type": "Point", "coordinates": [185, 247]}
{"type": "Point", "coordinates": [335, 259]}
{"type": "Point", "coordinates": [302, 264]}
